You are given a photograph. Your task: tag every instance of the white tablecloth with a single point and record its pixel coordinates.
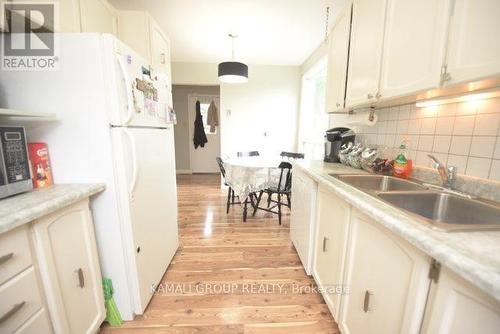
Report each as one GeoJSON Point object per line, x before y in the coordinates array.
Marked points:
{"type": "Point", "coordinates": [252, 174]}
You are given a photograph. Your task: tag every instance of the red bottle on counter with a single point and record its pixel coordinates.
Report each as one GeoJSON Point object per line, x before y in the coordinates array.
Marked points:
{"type": "Point", "coordinates": [40, 164]}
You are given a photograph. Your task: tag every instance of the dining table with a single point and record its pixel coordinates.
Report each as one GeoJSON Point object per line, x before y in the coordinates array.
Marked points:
{"type": "Point", "coordinates": [249, 175]}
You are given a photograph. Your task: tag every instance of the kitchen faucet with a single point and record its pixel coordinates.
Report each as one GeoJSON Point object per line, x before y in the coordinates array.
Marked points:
{"type": "Point", "coordinates": [447, 174]}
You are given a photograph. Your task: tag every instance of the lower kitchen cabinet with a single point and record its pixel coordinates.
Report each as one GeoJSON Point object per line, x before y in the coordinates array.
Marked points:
{"type": "Point", "coordinates": [457, 307]}
{"type": "Point", "coordinates": [303, 217]}
{"type": "Point", "coordinates": [66, 250]}
{"type": "Point", "coordinates": [333, 222]}
{"type": "Point", "coordinates": [387, 279]}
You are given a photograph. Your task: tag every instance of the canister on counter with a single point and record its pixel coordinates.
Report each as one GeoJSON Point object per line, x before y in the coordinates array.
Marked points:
{"type": "Point", "coordinates": [40, 164]}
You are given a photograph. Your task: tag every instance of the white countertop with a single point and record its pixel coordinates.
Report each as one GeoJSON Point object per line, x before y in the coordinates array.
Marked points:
{"type": "Point", "coordinates": [473, 255]}
{"type": "Point", "coordinates": [24, 208]}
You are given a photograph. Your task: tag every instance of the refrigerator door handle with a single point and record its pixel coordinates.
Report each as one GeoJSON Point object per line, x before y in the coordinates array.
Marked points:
{"type": "Point", "coordinates": [129, 86]}
{"type": "Point", "coordinates": [135, 164]}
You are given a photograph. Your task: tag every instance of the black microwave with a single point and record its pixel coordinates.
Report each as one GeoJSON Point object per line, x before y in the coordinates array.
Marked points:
{"type": "Point", "coordinates": [15, 171]}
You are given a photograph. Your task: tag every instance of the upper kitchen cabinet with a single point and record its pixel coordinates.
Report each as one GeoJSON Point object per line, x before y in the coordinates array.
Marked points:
{"type": "Point", "coordinates": [365, 51]}
{"type": "Point", "coordinates": [473, 49]}
{"type": "Point", "coordinates": [387, 278]}
{"type": "Point", "coordinates": [141, 32]}
{"type": "Point", "coordinates": [97, 16]}
{"type": "Point", "coordinates": [457, 307]}
{"type": "Point", "coordinates": [337, 62]}
{"type": "Point", "coordinates": [414, 46]}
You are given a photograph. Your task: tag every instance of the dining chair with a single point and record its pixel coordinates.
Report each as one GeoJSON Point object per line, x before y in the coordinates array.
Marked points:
{"type": "Point", "coordinates": [230, 191]}
{"type": "Point", "coordinates": [292, 155]}
{"type": "Point", "coordinates": [284, 188]}
{"type": "Point", "coordinates": [248, 154]}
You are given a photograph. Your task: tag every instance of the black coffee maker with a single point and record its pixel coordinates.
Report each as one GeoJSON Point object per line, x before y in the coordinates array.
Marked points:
{"type": "Point", "coordinates": [334, 138]}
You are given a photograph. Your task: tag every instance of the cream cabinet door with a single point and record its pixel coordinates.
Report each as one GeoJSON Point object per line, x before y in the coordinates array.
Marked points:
{"type": "Point", "coordinates": [338, 53]}
{"type": "Point", "coordinates": [160, 49]}
{"type": "Point", "coordinates": [365, 51]}
{"type": "Point", "coordinates": [473, 49]}
{"type": "Point", "coordinates": [133, 30]}
{"type": "Point", "coordinates": [67, 254]}
{"type": "Point", "coordinates": [388, 281]}
{"type": "Point", "coordinates": [457, 307]}
{"type": "Point", "coordinates": [302, 219]}
{"type": "Point", "coordinates": [414, 46]}
{"type": "Point", "coordinates": [98, 16]}
{"type": "Point", "coordinates": [331, 237]}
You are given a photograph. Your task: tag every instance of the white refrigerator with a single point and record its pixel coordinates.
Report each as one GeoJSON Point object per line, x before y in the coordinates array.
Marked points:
{"type": "Point", "coordinates": [109, 131]}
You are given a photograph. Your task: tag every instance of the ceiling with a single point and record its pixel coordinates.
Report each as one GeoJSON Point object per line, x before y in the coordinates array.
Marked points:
{"type": "Point", "coordinates": [274, 32]}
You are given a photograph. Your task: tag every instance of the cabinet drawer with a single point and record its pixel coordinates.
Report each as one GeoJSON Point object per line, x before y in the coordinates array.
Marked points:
{"type": "Point", "coordinates": [37, 324]}
{"type": "Point", "coordinates": [15, 253]}
{"type": "Point", "coordinates": [20, 300]}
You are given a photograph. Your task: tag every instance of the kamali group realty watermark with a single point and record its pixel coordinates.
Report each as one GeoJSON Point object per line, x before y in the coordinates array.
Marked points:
{"type": "Point", "coordinates": [28, 39]}
{"type": "Point", "coordinates": [245, 288]}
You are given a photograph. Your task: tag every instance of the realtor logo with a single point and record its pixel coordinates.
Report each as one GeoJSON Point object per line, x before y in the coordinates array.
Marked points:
{"type": "Point", "coordinates": [28, 40]}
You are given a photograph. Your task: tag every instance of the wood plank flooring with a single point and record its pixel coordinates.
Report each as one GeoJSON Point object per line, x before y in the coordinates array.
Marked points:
{"type": "Point", "coordinates": [229, 276]}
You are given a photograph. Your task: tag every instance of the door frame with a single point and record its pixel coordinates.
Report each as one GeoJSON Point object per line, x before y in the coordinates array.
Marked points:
{"type": "Point", "coordinates": [193, 97]}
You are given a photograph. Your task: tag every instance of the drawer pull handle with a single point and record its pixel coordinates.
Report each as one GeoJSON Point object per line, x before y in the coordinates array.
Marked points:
{"type": "Point", "coordinates": [325, 244]}
{"type": "Point", "coordinates": [366, 302]}
{"type": "Point", "coordinates": [11, 312]}
{"type": "Point", "coordinates": [81, 278]}
{"type": "Point", "coordinates": [162, 58]}
{"type": "Point", "coordinates": [6, 257]}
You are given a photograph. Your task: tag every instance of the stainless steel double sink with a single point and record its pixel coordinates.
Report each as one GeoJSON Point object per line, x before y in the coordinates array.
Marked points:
{"type": "Point", "coordinates": [441, 209]}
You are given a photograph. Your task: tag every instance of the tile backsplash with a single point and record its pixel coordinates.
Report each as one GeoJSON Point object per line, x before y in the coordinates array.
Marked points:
{"type": "Point", "coordinates": [465, 135]}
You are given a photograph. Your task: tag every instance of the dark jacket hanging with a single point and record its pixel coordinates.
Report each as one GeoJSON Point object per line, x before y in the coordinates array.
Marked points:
{"type": "Point", "coordinates": [199, 138]}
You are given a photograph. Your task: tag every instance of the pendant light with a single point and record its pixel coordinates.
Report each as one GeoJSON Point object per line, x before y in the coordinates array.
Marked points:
{"type": "Point", "coordinates": [233, 71]}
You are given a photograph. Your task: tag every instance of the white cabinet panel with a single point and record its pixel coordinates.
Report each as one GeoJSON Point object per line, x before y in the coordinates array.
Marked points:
{"type": "Point", "coordinates": [338, 52]}
{"type": "Point", "coordinates": [365, 51]}
{"type": "Point", "coordinates": [19, 300]}
{"type": "Point", "coordinates": [414, 46]}
{"type": "Point", "coordinates": [15, 253]}
{"type": "Point", "coordinates": [97, 16]}
{"type": "Point", "coordinates": [160, 49]}
{"type": "Point", "coordinates": [67, 252]}
{"type": "Point", "coordinates": [456, 307]}
{"type": "Point", "coordinates": [331, 238]}
{"type": "Point", "coordinates": [388, 281]}
{"type": "Point", "coordinates": [37, 324]}
{"type": "Point", "coordinates": [302, 219]}
{"type": "Point", "coordinates": [473, 49]}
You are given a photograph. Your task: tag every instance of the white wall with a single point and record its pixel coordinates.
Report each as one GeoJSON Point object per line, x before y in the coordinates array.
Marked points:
{"type": "Point", "coordinates": [261, 114]}
{"type": "Point", "coordinates": [198, 74]}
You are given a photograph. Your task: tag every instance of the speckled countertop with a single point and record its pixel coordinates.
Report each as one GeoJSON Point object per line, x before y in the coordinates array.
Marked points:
{"type": "Point", "coordinates": [473, 255]}
{"type": "Point", "coordinates": [24, 208]}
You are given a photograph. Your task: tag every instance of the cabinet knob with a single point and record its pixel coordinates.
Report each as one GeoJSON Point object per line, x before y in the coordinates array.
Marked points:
{"type": "Point", "coordinates": [366, 302]}
{"type": "Point", "coordinates": [11, 312]}
{"type": "Point", "coordinates": [338, 104]}
{"type": "Point", "coordinates": [6, 257]}
{"type": "Point", "coordinates": [378, 95]}
{"type": "Point", "coordinates": [325, 244]}
{"type": "Point", "coordinates": [369, 96]}
{"type": "Point", "coordinates": [81, 278]}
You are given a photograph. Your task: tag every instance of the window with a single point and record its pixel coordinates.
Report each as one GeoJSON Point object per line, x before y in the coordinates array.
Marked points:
{"type": "Point", "coordinates": [313, 119]}
{"type": "Point", "coordinates": [204, 113]}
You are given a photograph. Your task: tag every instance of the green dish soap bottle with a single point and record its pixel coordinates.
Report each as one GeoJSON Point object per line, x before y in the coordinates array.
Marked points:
{"type": "Point", "coordinates": [402, 166]}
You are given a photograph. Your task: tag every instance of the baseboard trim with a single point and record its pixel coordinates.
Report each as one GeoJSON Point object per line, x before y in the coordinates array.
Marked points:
{"type": "Point", "coordinates": [183, 171]}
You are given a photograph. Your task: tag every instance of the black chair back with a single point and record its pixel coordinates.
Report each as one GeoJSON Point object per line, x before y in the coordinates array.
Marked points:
{"type": "Point", "coordinates": [221, 166]}
{"type": "Point", "coordinates": [248, 154]}
{"type": "Point", "coordinates": [285, 182]}
{"type": "Point", "coordinates": [292, 155]}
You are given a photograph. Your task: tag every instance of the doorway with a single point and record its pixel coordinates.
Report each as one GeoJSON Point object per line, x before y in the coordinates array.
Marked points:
{"type": "Point", "coordinates": [187, 159]}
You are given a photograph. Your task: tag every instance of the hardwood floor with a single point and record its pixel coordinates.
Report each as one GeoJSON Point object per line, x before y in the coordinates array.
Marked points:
{"type": "Point", "coordinates": [229, 276]}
